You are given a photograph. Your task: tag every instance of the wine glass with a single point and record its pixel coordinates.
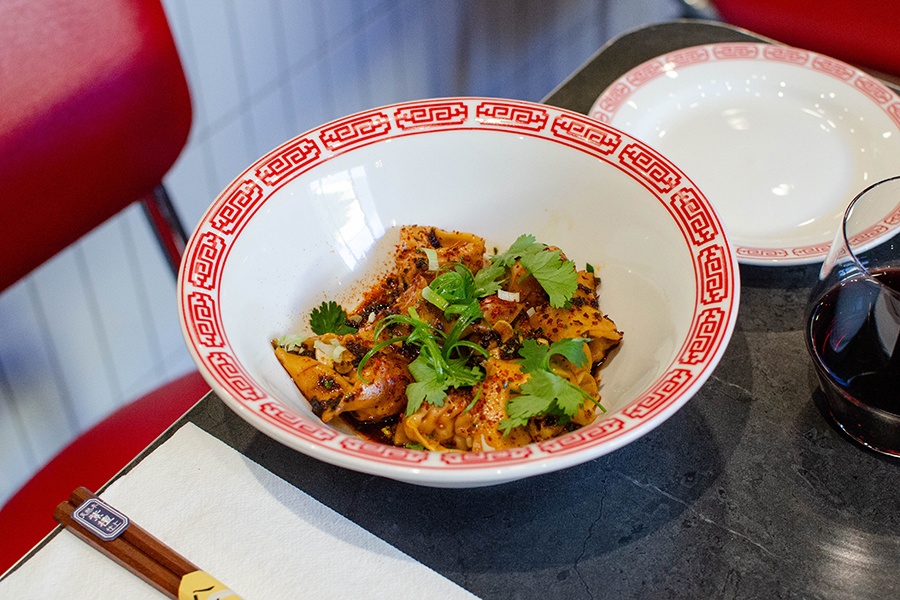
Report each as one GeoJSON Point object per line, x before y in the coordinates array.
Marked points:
{"type": "Point", "coordinates": [853, 320]}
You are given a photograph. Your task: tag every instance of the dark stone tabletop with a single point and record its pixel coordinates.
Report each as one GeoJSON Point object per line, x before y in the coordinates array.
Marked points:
{"type": "Point", "coordinates": [746, 492]}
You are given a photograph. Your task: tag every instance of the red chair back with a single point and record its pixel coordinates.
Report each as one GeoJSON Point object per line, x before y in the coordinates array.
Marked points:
{"type": "Point", "coordinates": [95, 110]}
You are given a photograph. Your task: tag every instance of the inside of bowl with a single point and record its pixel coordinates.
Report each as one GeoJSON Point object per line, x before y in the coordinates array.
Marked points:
{"type": "Point", "coordinates": [330, 232]}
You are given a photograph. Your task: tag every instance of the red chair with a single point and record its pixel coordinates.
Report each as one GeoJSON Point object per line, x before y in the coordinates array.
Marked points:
{"type": "Point", "coordinates": [860, 33]}
{"type": "Point", "coordinates": [95, 110]}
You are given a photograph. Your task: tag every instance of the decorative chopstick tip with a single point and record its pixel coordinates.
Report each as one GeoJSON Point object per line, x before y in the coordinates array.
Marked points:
{"type": "Point", "coordinates": [108, 530]}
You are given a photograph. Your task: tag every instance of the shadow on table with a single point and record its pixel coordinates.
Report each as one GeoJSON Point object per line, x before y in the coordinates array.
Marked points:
{"type": "Point", "coordinates": [544, 527]}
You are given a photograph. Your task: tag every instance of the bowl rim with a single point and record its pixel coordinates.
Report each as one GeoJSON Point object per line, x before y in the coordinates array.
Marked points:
{"type": "Point", "coordinates": [716, 279]}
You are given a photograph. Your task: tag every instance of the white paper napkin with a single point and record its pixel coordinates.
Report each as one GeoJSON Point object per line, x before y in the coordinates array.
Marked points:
{"type": "Point", "coordinates": [253, 531]}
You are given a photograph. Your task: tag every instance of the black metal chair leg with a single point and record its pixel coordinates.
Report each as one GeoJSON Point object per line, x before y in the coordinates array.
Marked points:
{"type": "Point", "coordinates": [170, 232]}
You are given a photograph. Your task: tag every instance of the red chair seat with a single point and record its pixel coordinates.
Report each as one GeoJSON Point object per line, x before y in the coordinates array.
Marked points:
{"type": "Point", "coordinates": [107, 448]}
{"type": "Point", "coordinates": [860, 33]}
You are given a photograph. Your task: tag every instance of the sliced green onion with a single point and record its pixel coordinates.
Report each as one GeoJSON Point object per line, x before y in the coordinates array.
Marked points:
{"type": "Point", "coordinates": [431, 253]}
{"type": "Point", "coordinates": [474, 401]}
{"type": "Point", "coordinates": [435, 298]}
{"type": "Point", "coordinates": [291, 341]}
{"type": "Point", "coordinates": [332, 350]}
{"type": "Point", "coordinates": [508, 296]}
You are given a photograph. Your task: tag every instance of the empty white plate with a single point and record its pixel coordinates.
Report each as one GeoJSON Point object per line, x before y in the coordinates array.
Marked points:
{"type": "Point", "coordinates": [780, 139]}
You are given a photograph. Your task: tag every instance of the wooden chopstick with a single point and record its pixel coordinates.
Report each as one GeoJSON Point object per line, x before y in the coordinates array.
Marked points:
{"type": "Point", "coordinates": [145, 542]}
{"type": "Point", "coordinates": [122, 552]}
{"type": "Point", "coordinates": [131, 546]}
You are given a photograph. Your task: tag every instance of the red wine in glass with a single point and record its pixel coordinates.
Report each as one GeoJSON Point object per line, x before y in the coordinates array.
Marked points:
{"type": "Point", "coordinates": [853, 324]}
{"type": "Point", "coordinates": [854, 331]}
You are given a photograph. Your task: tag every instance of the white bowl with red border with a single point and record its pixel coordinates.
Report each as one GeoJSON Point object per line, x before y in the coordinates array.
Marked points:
{"type": "Point", "coordinates": [316, 218]}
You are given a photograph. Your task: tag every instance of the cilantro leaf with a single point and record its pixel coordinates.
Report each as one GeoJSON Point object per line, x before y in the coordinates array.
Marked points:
{"type": "Point", "coordinates": [434, 377]}
{"type": "Point", "coordinates": [428, 386]}
{"type": "Point", "coordinates": [545, 392]}
{"type": "Point", "coordinates": [537, 356]}
{"type": "Point", "coordinates": [488, 280]}
{"type": "Point", "coordinates": [455, 291]}
{"type": "Point", "coordinates": [558, 277]}
{"type": "Point", "coordinates": [329, 317]}
{"type": "Point", "coordinates": [567, 397]}
{"type": "Point", "coordinates": [520, 409]}
{"type": "Point", "coordinates": [442, 360]}
{"type": "Point", "coordinates": [572, 349]}
{"type": "Point", "coordinates": [524, 244]}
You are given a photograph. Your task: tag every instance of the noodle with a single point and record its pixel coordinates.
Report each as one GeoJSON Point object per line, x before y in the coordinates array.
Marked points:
{"type": "Point", "coordinates": [455, 351]}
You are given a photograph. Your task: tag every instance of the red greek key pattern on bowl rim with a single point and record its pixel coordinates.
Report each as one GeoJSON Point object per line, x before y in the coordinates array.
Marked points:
{"type": "Point", "coordinates": [354, 130]}
{"type": "Point", "coordinates": [511, 114]}
{"type": "Point", "coordinates": [648, 71]}
{"type": "Point", "coordinates": [465, 459]}
{"type": "Point", "coordinates": [289, 160]}
{"type": "Point", "coordinates": [894, 112]}
{"type": "Point", "coordinates": [785, 54]}
{"type": "Point", "coordinates": [650, 167]}
{"type": "Point", "coordinates": [832, 67]}
{"type": "Point", "coordinates": [228, 369]}
{"type": "Point", "coordinates": [223, 223]}
{"type": "Point", "coordinates": [879, 93]}
{"type": "Point", "coordinates": [431, 114]}
{"type": "Point", "coordinates": [751, 252]}
{"type": "Point", "coordinates": [812, 250]}
{"type": "Point", "coordinates": [606, 428]}
{"type": "Point", "coordinates": [291, 421]}
{"type": "Point", "coordinates": [237, 207]}
{"type": "Point", "coordinates": [590, 135]}
{"type": "Point", "coordinates": [701, 226]}
{"type": "Point", "coordinates": [204, 313]}
{"type": "Point", "coordinates": [706, 331]}
{"type": "Point", "coordinates": [893, 217]}
{"type": "Point", "coordinates": [712, 265]}
{"type": "Point", "coordinates": [655, 400]}
{"type": "Point", "coordinates": [205, 260]}
{"type": "Point", "coordinates": [735, 51]}
{"type": "Point", "coordinates": [869, 234]}
{"type": "Point", "coordinates": [613, 98]}
{"type": "Point", "coordinates": [383, 452]}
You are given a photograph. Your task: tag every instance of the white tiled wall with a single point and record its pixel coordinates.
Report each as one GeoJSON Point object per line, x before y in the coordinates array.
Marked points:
{"type": "Point", "coordinates": [97, 326]}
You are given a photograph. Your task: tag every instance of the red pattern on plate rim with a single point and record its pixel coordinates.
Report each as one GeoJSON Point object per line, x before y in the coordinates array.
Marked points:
{"type": "Point", "coordinates": [611, 100]}
{"type": "Point", "coordinates": [221, 226]}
